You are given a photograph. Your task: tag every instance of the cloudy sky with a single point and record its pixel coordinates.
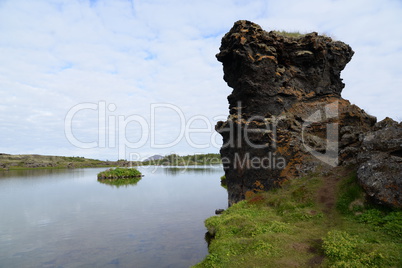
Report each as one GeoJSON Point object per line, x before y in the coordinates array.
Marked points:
{"type": "Point", "coordinates": [113, 79]}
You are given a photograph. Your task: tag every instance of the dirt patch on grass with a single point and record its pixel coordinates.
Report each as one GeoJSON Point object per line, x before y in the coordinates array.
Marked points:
{"type": "Point", "coordinates": [302, 247]}
{"type": "Point", "coordinates": [327, 193]}
{"type": "Point", "coordinates": [327, 197]}
{"type": "Point", "coordinates": [316, 248]}
{"type": "Point", "coordinates": [316, 261]}
{"type": "Point", "coordinates": [287, 263]}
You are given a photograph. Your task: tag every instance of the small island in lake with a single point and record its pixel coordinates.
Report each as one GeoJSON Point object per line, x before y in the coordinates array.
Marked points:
{"type": "Point", "coordinates": [120, 176]}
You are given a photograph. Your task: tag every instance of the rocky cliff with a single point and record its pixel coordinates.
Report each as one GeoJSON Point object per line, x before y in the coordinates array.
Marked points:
{"type": "Point", "coordinates": [286, 114]}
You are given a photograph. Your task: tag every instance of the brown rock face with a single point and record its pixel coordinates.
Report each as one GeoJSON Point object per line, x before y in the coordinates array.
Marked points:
{"type": "Point", "coordinates": [286, 113]}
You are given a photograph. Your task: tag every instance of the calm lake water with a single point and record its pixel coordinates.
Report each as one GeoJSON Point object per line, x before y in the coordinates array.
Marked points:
{"type": "Point", "coordinates": [66, 218]}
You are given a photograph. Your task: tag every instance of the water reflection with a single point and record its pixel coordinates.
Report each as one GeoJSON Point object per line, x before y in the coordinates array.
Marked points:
{"type": "Point", "coordinates": [117, 183]}
{"type": "Point", "coordinates": [191, 170]}
{"type": "Point", "coordinates": [32, 172]}
{"type": "Point", "coordinates": [65, 218]}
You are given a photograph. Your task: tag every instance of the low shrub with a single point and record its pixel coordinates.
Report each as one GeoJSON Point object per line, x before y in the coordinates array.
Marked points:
{"type": "Point", "coordinates": [120, 176]}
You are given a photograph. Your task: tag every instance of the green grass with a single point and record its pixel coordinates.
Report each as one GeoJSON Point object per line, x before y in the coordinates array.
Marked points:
{"type": "Point", "coordinates": [29, 161]}
{"type": "Point", "coordinates": [119, 173]}
{"type": "Point", "coordinates": [295, 34]}
{"type": "Point", "coordinates": [223, 182]}
{"type": "Point", "coordinates": [120, 176]}
{"type": "Point", "coordinates": [351, 196]}
{"type": "Point", "coordinates": [187, 160]}
{"type": "Point", "coordinates": [288, 228]}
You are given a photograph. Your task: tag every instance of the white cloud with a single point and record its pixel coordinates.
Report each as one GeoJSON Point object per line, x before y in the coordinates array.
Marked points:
{"type": "Point", "coordinates": [57, 54]}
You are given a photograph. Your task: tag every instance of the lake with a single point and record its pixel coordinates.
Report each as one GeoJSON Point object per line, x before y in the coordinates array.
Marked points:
{"type": "Point", "coordinates": [66, 218]}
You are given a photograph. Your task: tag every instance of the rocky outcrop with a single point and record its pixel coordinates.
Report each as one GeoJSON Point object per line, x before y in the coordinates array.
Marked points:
{"type": "Point", "coordinates": [286, 113]}
{"type": "Point", "coordinates": [380, 158]}
{"type": "Point", "coordinates": [269, 72]}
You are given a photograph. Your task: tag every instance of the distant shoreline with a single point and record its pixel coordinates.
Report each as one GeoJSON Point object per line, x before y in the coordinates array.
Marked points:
{"type": "Point", "coordinates": [35, 161]}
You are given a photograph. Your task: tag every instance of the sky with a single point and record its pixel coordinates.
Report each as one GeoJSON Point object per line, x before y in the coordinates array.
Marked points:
{"type": "Point", "coordinates": [113, 79]}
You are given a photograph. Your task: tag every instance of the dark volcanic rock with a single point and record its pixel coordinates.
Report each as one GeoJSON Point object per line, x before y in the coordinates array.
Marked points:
{"type": "Point", "coordinates": [380, 169]}
{"type": "Point", "coordinates": [286, 113]}
{"type": "Point", "coordinates": [270, 72]}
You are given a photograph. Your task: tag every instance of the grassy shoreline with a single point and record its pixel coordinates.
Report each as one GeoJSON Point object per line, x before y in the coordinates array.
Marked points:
{"type": "Point", "coordinates": [33, 161]}
{"type": "Point", "coordinates": [57, 167]}
{"type": "Point", "coordinates": [316, 221]}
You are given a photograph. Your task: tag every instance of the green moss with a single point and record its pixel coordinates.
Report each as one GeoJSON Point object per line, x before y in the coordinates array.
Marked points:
{"type": "Point", "coordinates": [223, 182]}
{"type": "Point", "coordinates": [288, 228]}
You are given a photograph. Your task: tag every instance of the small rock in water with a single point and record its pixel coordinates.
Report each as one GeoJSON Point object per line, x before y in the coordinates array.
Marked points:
{"type": "Point", "coordinates": [219, 211]}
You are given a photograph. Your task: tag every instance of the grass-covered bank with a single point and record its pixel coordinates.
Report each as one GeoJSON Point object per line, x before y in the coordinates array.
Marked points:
{"type": "Point", "coordinates": [120, 176]}
{"type": "Point", "coordinates": [186, 160]}
{"type": "Point", "coordinates": [320, 221]}
{"type": "Point", "coordinates": [34, 161]}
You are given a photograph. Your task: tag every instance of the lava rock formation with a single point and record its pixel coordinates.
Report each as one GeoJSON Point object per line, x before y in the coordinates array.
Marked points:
{"type": "Point", "coordinates": [286, 114]}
